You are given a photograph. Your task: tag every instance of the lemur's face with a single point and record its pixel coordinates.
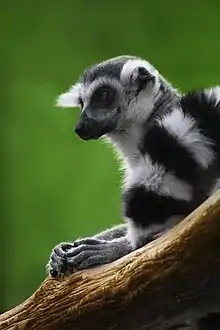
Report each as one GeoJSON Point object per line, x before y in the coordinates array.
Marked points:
{"type": "Point", "coordinates": [112, 95]}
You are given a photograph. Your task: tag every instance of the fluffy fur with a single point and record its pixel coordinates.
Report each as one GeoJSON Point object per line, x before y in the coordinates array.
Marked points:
{"type": "Point", "coordinates": [169, 143]}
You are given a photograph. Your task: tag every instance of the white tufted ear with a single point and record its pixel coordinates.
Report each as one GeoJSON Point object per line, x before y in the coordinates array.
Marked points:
{"type": "Point", "coordinates": [70, 99]}
{"type": "Point", "coordinates": [131, 66]}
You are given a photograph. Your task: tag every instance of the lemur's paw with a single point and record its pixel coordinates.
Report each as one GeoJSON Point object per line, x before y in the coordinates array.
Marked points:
{"type": "Point", "coordinates": [69, 257]}
{"type": "Point", "coordinates": [57, 264]}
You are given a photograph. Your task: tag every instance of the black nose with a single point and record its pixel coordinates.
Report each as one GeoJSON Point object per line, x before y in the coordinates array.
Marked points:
{"type": "Point", "coordinates": [82, 130]}
{"type": "Point", "coordinates": [88, 128]}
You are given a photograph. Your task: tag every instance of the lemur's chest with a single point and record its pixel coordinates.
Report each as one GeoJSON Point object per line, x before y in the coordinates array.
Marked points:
{"type": "Point", "coordinates": [143, 172]}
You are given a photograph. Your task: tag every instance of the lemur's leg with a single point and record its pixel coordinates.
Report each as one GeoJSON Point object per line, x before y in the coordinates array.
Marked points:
{"type": "Point", "coordinates": [102, 248]}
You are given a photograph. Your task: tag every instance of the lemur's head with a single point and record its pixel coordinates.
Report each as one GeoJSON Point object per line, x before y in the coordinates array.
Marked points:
{"type": "Point", "coordinates": [112, 95]}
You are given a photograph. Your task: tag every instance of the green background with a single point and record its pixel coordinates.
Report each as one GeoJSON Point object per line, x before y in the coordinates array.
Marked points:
{"type": "Point", "coordinates": [55, 187]}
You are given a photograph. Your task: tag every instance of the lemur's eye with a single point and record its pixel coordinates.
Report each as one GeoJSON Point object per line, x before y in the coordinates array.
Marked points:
{"type": "Point", "coordinates": [81, 102]}
{"type": "Point", "coordinates": [103, 95]}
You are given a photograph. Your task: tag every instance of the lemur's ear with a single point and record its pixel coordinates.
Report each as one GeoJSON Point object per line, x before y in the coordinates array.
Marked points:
{"type": "Point", "coordinates": [141, 78]}
{"type": "Point", "coordinates": [70, 99]}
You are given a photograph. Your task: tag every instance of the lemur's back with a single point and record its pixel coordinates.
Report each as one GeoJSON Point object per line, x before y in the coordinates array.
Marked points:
{"type": "Point", "coordinates": [181, 147]}
{"type": "Point", "coordinates": [204, 107]}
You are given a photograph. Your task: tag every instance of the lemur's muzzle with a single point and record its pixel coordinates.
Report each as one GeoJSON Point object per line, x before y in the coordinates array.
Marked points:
{"type": "Point", "coordinates": [90, 129]}
{"type": "Point", "coordinates": [86, 129]}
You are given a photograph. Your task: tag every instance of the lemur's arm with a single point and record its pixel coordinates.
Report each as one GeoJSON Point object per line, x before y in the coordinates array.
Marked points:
{"type": "Point", "coordinates": [102, 248]}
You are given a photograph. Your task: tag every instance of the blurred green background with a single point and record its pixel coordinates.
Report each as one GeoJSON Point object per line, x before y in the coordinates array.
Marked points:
{"type": "Point", "coordinates": [56, 187]}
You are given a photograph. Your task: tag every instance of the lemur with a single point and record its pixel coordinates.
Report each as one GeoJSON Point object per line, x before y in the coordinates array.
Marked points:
{"type": "Point", "coordinates": [169, 143]}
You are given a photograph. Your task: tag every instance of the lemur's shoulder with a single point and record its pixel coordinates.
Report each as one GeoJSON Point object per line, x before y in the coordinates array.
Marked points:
{"type": "Point", "coordinates": [202, 103]}
{"type": "Point", "coordinates": [204, 106]}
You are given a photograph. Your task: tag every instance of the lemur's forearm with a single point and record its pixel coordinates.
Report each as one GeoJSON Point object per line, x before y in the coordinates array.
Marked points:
{"type": "Point", "coordinates": [113, 233]}
{"type": "Point", "coordinates": [86, 253]}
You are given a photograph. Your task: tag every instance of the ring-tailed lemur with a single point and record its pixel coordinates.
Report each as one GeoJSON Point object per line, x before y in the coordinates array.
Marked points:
{"type": "Point", "coordinates": [170, 145]}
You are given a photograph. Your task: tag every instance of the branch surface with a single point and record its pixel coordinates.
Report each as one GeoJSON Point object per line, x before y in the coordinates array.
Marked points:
{"type": "Point", "coordinates": [174, 278]}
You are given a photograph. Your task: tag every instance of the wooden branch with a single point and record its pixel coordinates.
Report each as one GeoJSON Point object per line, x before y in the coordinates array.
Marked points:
{"type": "Point", "coordinates": [174, 278]}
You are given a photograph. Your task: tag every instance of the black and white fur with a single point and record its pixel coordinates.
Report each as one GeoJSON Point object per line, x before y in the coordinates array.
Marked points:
{"type": "Point", "coordinates": [170, 148]}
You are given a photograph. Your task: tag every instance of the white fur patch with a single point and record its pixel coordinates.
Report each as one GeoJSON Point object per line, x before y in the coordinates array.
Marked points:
{"type": "Point", "coordinates": [213, 92]}
{"type": "Point", "coordinates": [144, 172]}
{"type": "Point", "coordinates": [70, 99]}
{"type": "Point", "coordinates": [154, 178]}
{"type": "Point", "coordinates": [136, 234]}
{"type": "Point", "coordinates": [141, 106]}
{"type": "Point", "coordinates": [185, 130]}
{"type": "Point", "coordinates": [173, 187]}
{"type": "Point", "coordinates": [126, 143]}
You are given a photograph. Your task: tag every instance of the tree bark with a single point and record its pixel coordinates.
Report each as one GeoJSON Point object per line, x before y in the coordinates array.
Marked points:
{"type": "Point", "coordinates": [170, 280]}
